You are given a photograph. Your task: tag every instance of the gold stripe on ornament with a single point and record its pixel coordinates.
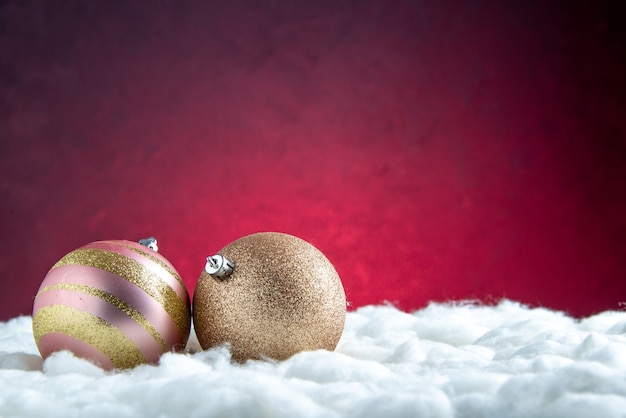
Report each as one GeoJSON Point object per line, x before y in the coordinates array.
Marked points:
{"type": "Point", "coordinates": [98, 333]}
{"type": "Point", "coordinates": [115, 301]}
{"type": "Point", "coordinates": [159, 262]}
{"type": "Point", "coordinates": [138, 274]}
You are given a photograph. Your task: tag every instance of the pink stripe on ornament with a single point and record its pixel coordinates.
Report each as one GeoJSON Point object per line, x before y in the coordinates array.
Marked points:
{"type": "Point", "coordinates": [123, 289]}
{"type": "Point", "coordinates": [85, 302]}
{"type": "Point", "coordinates": [54, 342]}
{"type": "Point", "coordinates": [121, 247]}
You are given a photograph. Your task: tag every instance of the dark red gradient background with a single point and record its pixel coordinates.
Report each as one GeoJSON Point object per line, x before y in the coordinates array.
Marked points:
{"type": "Point", "coordinates": [432, 150]}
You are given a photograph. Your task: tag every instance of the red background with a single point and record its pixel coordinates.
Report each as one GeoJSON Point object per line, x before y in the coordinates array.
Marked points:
{"type": "Point", "coordinates": [432, 150]}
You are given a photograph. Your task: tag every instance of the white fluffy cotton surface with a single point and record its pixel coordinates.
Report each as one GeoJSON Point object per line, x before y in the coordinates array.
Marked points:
{"type": "Point", "coordinates": [462, 360]}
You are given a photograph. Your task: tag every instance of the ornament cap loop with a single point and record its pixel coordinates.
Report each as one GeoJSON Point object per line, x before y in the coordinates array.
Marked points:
{"type": "Point", "coordinates": [219, 267]}
{"type": "Point", "coordinates": [150, 242]}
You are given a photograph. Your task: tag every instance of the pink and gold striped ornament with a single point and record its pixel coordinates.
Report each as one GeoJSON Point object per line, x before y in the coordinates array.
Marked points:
{"type": "Point", "coordinates": [116, 303]}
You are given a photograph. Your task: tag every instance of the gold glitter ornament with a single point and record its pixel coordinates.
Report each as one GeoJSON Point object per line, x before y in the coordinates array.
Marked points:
{"type": "Point", "coordinates": [269, 295]}
{"type": "Point", "coordinates": [116, 303]}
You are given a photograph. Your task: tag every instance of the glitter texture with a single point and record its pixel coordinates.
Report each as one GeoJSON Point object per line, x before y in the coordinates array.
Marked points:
{"type": "Point", "coordinates": [113, 304]}
{"type": "Point", "coordinates": [137, 274]}
{"type": "Point", "coordinates": [115, 301]}
{"type": "Point", "coordinates": [283, 297]}
{"type": "Point", "coordinates": [158, 261]}
{"type": "Point", "coordinates": [86, 327]}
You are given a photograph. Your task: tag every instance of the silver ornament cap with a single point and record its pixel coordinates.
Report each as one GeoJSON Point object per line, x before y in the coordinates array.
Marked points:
{"type": "Point", "coordinates": [219, 267]}
{"type": "Point", "coordinates": [150, 242]}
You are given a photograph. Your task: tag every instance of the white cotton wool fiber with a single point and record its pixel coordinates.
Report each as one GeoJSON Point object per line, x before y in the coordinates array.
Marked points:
{"type": "Point", "coordinates": [447, 360]}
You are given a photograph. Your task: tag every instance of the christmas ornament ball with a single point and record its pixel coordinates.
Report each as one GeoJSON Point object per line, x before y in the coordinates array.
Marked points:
{"type": "Point", "coordinates": [269, 295]}
{"type": "Point", "coordinates": [116, 303]}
